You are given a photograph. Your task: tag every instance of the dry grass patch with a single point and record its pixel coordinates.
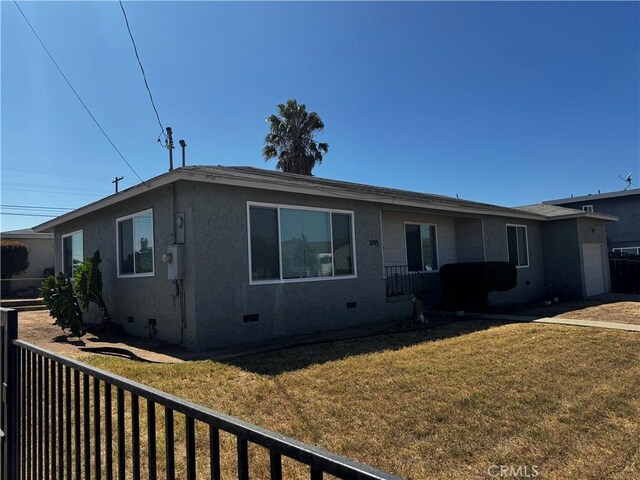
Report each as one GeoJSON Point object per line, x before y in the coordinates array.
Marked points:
{"type": "Point", "coordinates": [442, 403]}
{"type": "Point", "coordinates": [620, 312]}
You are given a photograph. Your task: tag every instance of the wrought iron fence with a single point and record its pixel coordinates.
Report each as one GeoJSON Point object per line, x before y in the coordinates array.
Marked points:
{"type": "Point", "coordinates": [20, 287]}
{"type": "Point", "coordinates": [67, 426]}
{"type": "Point", "coordinates": [401, 281]}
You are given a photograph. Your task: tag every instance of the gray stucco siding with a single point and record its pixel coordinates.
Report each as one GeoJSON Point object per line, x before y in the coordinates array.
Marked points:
{"type": "Point", "coordinates": [531, 284]}
{"type": "Point", "coordinates": [626, 231]}
{"type": "Point", "coordinates": [142, 298]}
{"type": "Point", "coordinates": [223, 290]}
{"type": "Point", "coordinates": [393, 231]}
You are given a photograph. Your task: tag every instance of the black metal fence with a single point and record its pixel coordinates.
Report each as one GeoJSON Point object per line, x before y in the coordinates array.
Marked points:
{"type": "Point", "coordinates": [60, 421]}
{"type": "Point", "coordinates": [401, 281]}
{"type": "Point", "coordinates": [625, 273]}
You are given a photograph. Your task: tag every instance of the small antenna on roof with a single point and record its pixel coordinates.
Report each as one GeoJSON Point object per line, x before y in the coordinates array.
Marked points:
{"type": "Point", "coordinates": [628, 180]}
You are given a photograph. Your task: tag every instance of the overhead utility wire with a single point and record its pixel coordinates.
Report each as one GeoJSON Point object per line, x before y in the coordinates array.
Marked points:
{"type": "Point", "coordinates": [34, 207]}
{"type": "Point", "coordinates": [144, 75]}
{"type": "Point", "coordinates": [28, 215]}
{"type": "Point", "coordinates": [76, 93]}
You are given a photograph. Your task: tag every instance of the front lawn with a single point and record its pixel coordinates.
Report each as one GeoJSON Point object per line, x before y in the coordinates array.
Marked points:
{"type": "Point", "coordinates": [618, 312]}
{"type": "Point", "coordinates": [448, 402]}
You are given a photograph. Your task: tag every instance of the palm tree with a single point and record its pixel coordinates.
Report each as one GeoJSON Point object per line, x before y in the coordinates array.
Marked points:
{"type": "Point", "coordinates": [291, 138]}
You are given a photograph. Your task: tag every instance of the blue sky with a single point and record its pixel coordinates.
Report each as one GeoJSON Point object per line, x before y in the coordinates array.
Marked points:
{"type": "Point", "coordinates": [507, 103]}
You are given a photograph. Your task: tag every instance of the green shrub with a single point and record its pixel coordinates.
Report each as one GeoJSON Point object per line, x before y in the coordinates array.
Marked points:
{"type": "Point", "coordinates": [15, 258]}
{"type": "Point", "coordinates": [87, 283]}
{"type": "Point", "coordinates": [68, 298]}
{"type": "Point", "coordinates": [59, 297]}
{"type": "Point", "coordinates": [466, 286]}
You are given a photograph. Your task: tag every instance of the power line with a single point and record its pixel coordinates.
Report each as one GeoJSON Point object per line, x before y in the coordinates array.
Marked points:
{"type": "Point", "coordinates": [144, 76]}
{"type": "Point", "coordinates": [28, 215]}
{"type": "Point", "coordinates": [76, 93]}
{"type": "Point", "coordinates": [33, 207]}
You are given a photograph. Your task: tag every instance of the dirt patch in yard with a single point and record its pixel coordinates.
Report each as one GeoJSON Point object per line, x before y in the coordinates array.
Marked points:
{"type": "Point", "coordinates": [37, 327]}
{"type": "Point", "coordinates": [623, 309]}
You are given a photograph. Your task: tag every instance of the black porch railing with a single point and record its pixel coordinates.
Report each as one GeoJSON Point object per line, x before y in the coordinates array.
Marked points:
{"type": "Point", "coordinates": [60, 421]}
{"type": "Point", "coordinates": [400, 281]}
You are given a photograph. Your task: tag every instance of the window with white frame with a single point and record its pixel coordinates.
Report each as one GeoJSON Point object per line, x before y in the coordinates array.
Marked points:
{"type": "Point", "coordinates": [587, 208]}
{"type": "Point", "coordinates": [72, 252]}
{"type": "Point", "coordinates": [627, 250]}
{"type": "Point", "coordinates": [421, 245]}
{"type": "Point", "coordinates": [518, 245]}
{"type": "Point", "coordinates": [135, 244]}
{"type": "Point", "coordinates": [292, 243]}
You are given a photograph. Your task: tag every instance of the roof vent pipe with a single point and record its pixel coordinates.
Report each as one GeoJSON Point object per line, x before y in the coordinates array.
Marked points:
{"type": "Point", "coordinates": [183, 145]}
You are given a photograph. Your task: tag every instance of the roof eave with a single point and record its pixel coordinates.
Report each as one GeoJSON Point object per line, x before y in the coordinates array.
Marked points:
{"type": "Point", "coordinates": [286, 185]}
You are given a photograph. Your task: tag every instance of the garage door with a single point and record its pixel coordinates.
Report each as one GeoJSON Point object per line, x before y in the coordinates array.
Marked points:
{"type": "Point", "coordinates": [593, 268]}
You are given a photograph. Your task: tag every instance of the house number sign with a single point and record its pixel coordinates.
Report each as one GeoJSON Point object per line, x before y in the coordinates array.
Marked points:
{"type": "Point", "coordinates": [374, 243]}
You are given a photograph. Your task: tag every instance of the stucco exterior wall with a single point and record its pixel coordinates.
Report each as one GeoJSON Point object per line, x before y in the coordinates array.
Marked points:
{"type": "Point", "coordinates": [531, 284]}
{"type": "Point", "coordinates": [562, 258]}
{"type": "Point", "coordinates": [223, 293]}
{"type": "Point", "coordinates": [40, 256]}
{"type": "Point", "coordinates": [626, 231]}
{"type": "Point", "coordinates": [393, 236]}
{"type": "Point", "coordinates": [141, 298]}
{"type": "Point", "coordinates": [469, 240]}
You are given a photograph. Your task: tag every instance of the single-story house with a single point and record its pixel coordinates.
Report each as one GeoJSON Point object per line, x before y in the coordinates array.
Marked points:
{"type": "Point", "coordinates": [211, 256]}
{"type": "Point", "coordinates": [40, 246]}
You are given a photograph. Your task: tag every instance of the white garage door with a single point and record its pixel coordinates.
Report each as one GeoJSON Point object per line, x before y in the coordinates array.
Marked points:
{"type": "Point", "coordinates": [593, 269]}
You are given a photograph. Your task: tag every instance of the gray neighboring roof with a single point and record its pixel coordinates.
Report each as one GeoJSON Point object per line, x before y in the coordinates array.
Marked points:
{"type": "Point", "coordinates": [556, 213]}
{"type": "Point", "coordinates": [595, 196]}
{"type": "Point", "coordinates": [25, 233]}
{"type": "Point", "coordinates": [251, 177]}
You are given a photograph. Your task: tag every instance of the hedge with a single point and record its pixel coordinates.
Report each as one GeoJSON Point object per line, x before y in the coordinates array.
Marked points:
{"type": "Point", "coordinates": [14, 257]}
{"type": "Point", "coordinates": [466, 286]}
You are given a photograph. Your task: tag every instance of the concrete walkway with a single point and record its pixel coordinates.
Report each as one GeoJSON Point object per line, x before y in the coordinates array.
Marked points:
{"type": "Point", "coordinates": [557, 321]}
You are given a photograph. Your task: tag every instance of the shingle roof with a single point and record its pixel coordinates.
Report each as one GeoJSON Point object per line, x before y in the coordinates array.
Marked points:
{"type": "Point", "coordinates": [313, 182]}
{"type": "Point", "coordinates": [271, 180]}
{"type": "Point", "coordinates": [555, 212]}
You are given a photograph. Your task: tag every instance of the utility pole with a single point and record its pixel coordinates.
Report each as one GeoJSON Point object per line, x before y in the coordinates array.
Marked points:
{"type": "Point", "coordinates": [116, 180]}
{"type": "Point", "coordinates": [170, 147]}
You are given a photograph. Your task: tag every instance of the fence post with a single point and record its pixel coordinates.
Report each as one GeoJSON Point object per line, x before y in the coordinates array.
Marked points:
{"type": "Point", "coordinates": [10, 394]}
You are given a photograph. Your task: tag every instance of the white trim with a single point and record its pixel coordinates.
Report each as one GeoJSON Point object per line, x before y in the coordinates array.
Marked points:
{"type": "Point", "coordinates": [587, 208]}
{"type": "Point", "coordinates": [406, 254]}
{"type": "Point", "coordinates": [81, 231]}
{"type": "Point", "coordinates": [277, 207]}
{"type": "Point", "coordinates": [526, 236]}
{"type": "Point", "coordinates": [153, 242]}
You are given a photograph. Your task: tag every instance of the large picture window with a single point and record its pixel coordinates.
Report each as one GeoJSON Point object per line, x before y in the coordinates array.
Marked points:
{"type": "Point", "coordinates": [135, 244]}
{"type": "Point", "coordinates": [290, 243]}
{"type": "Point", "coordinates": [421, 244]}
{"type": "Point", "coordinates": [72, 252]}
{"type": "Point", "coordinates": [517, 245]}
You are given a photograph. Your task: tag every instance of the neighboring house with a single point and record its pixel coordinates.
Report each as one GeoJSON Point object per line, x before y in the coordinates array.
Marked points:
{"type": "Point", "coordinates": [213, 256]}
{"type": "Point", "coordinates": [40, 247]}
{"type": "Point", "coordinates": [622, 236]}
